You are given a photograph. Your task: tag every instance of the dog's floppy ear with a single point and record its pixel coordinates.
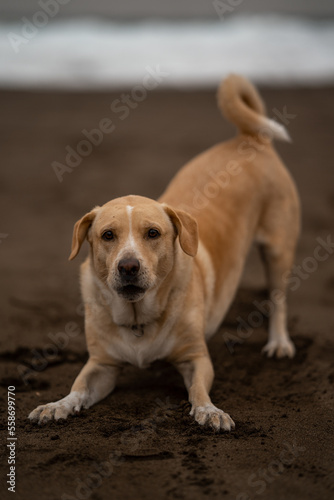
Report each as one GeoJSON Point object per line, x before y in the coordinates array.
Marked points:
{"type": "Point", "coordinates": [186, 227]}
{"type": "Point", "coordinates": [80, 231]}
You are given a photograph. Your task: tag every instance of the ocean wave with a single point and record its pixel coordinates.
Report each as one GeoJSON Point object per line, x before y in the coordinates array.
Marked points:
{"type": "Point", "coordinates": [100, 55]}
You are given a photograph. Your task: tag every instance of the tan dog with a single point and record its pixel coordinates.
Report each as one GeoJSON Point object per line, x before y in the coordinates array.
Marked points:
{"type": "Point", "coordinates": [161, 274]}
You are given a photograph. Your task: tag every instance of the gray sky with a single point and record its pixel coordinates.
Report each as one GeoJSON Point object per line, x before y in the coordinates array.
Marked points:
{"type": "Point", "coordinates": [172, 9]}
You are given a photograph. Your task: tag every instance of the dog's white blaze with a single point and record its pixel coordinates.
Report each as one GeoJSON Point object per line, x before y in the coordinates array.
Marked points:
{"type": "Point", "coordinates": [131, 243]}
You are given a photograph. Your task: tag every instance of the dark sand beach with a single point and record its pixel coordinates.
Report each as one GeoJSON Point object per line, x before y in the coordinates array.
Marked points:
{"type": "Point", "coordinates": [140, 442]}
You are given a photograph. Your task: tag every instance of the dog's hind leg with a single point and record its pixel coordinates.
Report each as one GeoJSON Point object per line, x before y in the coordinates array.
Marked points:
{"type": "Point", "coordinates": [277, 248]}
{"type": "Point", "coordinates": [278, 267]}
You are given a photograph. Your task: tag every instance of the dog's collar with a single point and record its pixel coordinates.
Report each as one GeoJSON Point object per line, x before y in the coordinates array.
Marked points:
{"type": "Point", "coordinates": [137, 330]}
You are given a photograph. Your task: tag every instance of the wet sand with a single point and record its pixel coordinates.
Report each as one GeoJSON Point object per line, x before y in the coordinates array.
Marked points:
{"type": "Point", "coordinates": [140, 442]}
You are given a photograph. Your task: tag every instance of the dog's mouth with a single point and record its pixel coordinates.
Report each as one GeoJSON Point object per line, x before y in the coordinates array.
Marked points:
{"type": "Point", "coordinates": [131, 292]}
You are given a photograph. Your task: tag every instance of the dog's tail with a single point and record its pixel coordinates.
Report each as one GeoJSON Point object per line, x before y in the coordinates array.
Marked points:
{"type": "Point", "coordinates": [242, 105]}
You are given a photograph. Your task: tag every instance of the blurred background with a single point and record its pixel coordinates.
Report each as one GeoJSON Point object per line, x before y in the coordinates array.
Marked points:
{"type": "Point", "coordinates": [107, 44]}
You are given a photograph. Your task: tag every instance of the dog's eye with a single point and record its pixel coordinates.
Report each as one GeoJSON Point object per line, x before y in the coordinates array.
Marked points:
{"type": "Point", "coordinates": [108, 235]}
{"type": "Point", "coordinates": [153, 233]}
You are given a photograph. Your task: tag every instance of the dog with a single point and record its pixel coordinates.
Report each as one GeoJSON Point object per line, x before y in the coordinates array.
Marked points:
{"type": "Point", "coordinates": [162, 274]}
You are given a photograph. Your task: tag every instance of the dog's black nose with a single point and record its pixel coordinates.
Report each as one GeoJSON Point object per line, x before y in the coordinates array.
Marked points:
{"type": "Point", "coordinates": [128, 268]}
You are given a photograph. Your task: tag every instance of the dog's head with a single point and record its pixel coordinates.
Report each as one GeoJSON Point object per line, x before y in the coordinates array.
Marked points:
{"type": "Point", "coordinates": [132, 243]}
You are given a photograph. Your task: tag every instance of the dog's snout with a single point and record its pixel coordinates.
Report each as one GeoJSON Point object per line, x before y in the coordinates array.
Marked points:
{"type": "Point", "coordinates": [128, 268]}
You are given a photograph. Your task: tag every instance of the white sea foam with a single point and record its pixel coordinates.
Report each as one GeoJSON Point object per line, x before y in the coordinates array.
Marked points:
{"type": "Point", "coordinates": [96, 55]}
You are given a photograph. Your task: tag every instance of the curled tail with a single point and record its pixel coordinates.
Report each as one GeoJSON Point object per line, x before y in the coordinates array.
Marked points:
{"type": "Point", "coordinates": [242, 105]}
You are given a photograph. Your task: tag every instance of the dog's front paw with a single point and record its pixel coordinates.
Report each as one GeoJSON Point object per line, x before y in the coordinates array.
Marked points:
{"type": "Point", "coordinates": [213, 417]}
{"type": "Point", "coordinates": [56, 411]}
{"type": "Point", "coordinates": [51, 411]}
{"type": "Point", "coordinates": [280, 348]}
